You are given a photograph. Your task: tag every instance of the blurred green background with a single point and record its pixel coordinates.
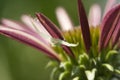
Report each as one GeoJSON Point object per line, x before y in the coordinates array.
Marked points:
{"type": "Point", "coordinates": [21, 62]}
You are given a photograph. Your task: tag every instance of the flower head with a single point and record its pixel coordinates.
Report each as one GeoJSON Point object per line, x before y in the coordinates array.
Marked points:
{"type": "Point", "coordinates": [82, 53]}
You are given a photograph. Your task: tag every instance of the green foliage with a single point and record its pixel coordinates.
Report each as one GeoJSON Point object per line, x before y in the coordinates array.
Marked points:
{"type": "Point", "coordinates": [92, 65]}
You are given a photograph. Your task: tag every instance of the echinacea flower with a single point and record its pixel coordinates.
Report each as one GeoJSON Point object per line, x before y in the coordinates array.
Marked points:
{"type": "Point", "coordinates": [79, 53]}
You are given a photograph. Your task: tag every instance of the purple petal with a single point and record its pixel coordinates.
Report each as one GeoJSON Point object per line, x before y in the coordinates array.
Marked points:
{"type": "Point", "coordinates": [109, 5]}
{"type": "Point", "coordinates": [15, 25]}
{"type": "Point", "coordinates": [37, 27]}
{"type": "Point", "coordinates": [53, 30]}
{"type": "Point", "coordinates": [30, 40]}
{"type": "Point", "coordinates": [116, 34]}
{"type": "Point", "coordinates": [68, 50]}
{"type": "Point", "coordinates": [34, 24]}
{"type": "Point", "coordinates": [84, 25]}
{"type": "Point", "coordinates": [21, 27]}
{"type": "Point", "coordinates": [108, 26]}
{"type": "Point", "coordinates": [50, 27]}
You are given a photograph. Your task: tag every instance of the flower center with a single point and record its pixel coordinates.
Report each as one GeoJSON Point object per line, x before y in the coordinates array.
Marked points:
{"type": "Point", "coordinates": [85, 65]}
{"type": "Point", "coordinates": [75, 36]}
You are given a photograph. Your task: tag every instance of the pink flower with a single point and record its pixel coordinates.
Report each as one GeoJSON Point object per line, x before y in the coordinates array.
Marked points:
{"type": "Point", "coordinates": [82, 52]}
{"type": "Point", "coordinates": [34, 32]}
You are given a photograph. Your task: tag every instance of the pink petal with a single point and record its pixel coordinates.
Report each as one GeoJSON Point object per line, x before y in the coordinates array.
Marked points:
{"type": "Point", "coordinates": [37, 27]}
{"type": "Point", "coordinates": [116, 34]}
{"type": "Point", "coordinates": [22, 27]}
{"type": "Point", "coordinates": [95, 15]}
{"type": "Point", "coordinates": [30, 40]}
{"type": "Point", "coordinates": [109, 5]}
{"type": "Point", "coordinates": [109, 25]}
{"type": "Point", "coordinates": [14, 24]}
{"type": "Point", "coordinates": [64, 19]}
{"type": "Point", "coordinates": [49, 26]}
{"type": "Point", "coordinates": [53, 30]}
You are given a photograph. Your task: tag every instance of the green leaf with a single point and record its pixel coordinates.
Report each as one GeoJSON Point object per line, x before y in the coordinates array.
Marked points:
{"type": "Point", "coordinates": [51, 64]}
{"type": "Point", "coordinates": [55, 74]}
{"type": "Point", "coordinates": [76, 78]}
{"type": "Point", "coordinates": [108, 66]}
{"type": "Point", "coordinates": [110, 54]}
{"type": "Point", "coordinates": [66, 65]}
{"type": "Point", "coordinates": [64, 76]}
{"type": "Point", "coordinates": [90, 74]}
{"type": "Point", "coordinates": [76, 71]}
{"type": "Point", "coordinates": [83, 58]}
{"type": "Point", "coordinates": [82, 67]}
{"type": "Point", "coordinates": [117, 71]}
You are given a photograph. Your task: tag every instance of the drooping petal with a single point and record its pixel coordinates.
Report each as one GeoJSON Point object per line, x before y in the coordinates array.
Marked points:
{"type": "Point", "coordinates": [14, 25]}
{"type": "Point", "coordinates": [36, 26]}
{"type": "Point", "coordinates": [108, 26]}
{"type": "Point", "coordinates": [28, 21]}
{"type": "Point", "coordinates": [63, 19]}
{"type": "Point", "coordinates": [53, 30]}
{"type": "Point", "coordinates": [34, 23]}
{"type": "Point", "coordinates": [94, 15]}
{"type": "Point", "coordinates": [84, 25]}
{"type": "Point", "coordinates": [22, 27]}
{"type": "Point", "coordinates": [30, 40]}
{"type": "Point", "coordinates": [49, 26]}
{"type": "Point", "coordinates": [108, 6]}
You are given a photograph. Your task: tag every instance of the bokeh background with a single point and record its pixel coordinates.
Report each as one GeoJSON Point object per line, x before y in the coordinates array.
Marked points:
{"type": "Point", "coordinates": [21, 62]}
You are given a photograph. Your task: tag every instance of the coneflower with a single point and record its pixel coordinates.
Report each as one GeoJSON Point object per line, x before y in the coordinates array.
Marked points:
{"type": "Point", "coordinates": [87, 52]}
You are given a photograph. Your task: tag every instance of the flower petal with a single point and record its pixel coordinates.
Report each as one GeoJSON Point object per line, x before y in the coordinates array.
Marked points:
{"type": "Point", "coordinates": [37, 27]}
{"type": "Point", "coordinates": [64, 19]}
{"type": "Point", "coordinates": [14, 25]}
{"type": "Point", "coordinates": [53, 30]}
{"type": "Point", "coordinates": [84, 25]}
{"type": "Point", "coordinates": [28, 21]}
{"type": "Point", "coordinates": [22, 27]}
{"type": "Point", "coordinates": [34, 23]}
{"type": "Point", "coordinates": [109, 5]}
{"type": "Point", "coordinates": [30, 40]}
{"type": "Point", "coordinates": [49, 26]}
{"type": "Point", "coordinates": [109, 25]}
{"type": "Point", "coordinates": [95, 15]}
{"type": "Point", "coordinates": [116, 34]}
